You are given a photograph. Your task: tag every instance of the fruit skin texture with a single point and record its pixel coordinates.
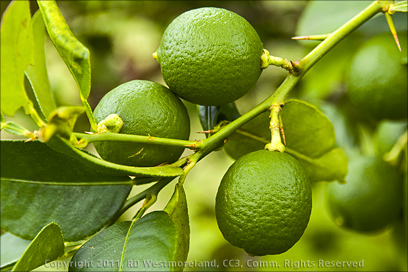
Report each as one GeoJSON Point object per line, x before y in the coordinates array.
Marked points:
{"type": "Point", "coordinates": [264, 202]}
{"type": "Point", "coordinates": [210, 56]}
{"type": "Point", "coordinates": [146, 108]}
{"type": "Point", "coordinates": [377, 80]}
{"type": "Point", "coordinates": [370, 200]}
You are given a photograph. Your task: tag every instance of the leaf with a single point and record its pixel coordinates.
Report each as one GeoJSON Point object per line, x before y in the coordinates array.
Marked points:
{"type": "Point", "coordinates": [146, 244]}
{"type": "Point", "coordinates": [399, 7]}
{"type": "Point", "coordinates": [73, 52]}
{"type": "Point", "coordinates": [330, 166]}
{"type": "Point", "coordinates": [48, 245]}
{"type": "Point", "coordinates": [37, 72]}
{"type": "Point", "coordinates": [178, 211]}
{"type": "Point", "coordinates": [307, 129]}
{"type": "Point", "coordinates": [15, 248]}
{"type": "Point", "coordinates": [210, 116]}
{"type": "Point", "coordinates": [323, 17]}
{"type": "Point", "coordinates": [105, 167]}
{"type": "Point", "coordinates": [309, 135]}
{"type": "Point", "coordinates": [16, 42]}
{"type": "Point", "coordinates": [26, 206]}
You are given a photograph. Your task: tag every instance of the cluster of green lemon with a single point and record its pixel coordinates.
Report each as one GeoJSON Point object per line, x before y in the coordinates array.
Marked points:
{"type": "Point", "coordinates": [211, 56]}
{"type": "Point", "coordinates": [372, 198]}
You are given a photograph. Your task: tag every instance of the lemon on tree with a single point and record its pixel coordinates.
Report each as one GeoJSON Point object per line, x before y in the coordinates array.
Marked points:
{"type": "Point", "coordinates": [264, 202]}
{"type": "Point", "coordinates": [210, 56]}
{"type": "Point", "coordinates": [377, 79]}
{"type": "Point", "coordinates": [146, 108]}
{"type": "Point", "coordinates": [370, 200]}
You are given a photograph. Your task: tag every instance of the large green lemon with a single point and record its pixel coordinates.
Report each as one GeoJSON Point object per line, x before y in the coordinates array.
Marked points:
{"type": "Point", "coordinates": [146, 108]}
{"type": "Point", "coordinates": [370, 200]}
{"type": "Point", "coordinates": [377, 79]}
{"type": "Point", "coordinates": [210, 56]}
{"type": "Point", "coordinates": [264, 202]}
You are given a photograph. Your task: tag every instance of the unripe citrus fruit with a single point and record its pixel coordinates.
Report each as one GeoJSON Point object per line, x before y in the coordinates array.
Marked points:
{"type": "Point", "coordinates": [371, 198]}
{"type": "Point", "coordinates": [377, 80]}
{"type": "Point", "coordinates": [146, 108]}
{"type": "Point", "coordinates": [264, 202]}
{"type": "Point", "coordinates": [210, 56]}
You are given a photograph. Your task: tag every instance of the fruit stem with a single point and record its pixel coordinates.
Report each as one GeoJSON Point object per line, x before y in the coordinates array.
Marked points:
{"type": "Point", "coordinates": [275, 127]}
{"type": "Point", "coordinates": [267, 60]}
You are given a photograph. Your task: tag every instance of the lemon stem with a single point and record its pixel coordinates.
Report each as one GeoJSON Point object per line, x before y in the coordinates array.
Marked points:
{"type": "Point", "coordinates": [275, 127]}
{"type": "Point", "coordinates": [267, 60]}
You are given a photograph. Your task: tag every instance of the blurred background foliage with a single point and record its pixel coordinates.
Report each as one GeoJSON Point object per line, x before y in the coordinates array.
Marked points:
{"type": "Point", "coordinates": [122, 35]}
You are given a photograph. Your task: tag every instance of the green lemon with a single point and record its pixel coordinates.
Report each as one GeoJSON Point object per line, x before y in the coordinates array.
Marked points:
{"type": "Point", "coordinates": [264, 202]}
{"type": "Point", "coordinates": [370, 200]}
{"type": "Point", "coordinates": [210, 56]}
{"type": "Point", "coordinates": [377, 79]}
{"type": "Point", "coordinates": [146, 108]}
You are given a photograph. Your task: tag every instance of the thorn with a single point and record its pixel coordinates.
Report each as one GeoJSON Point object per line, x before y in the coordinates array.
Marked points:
{"type": "Point", "coordinates": [206, 131]}
{"type": "Point", "coordinates": [30, 139]}
{"type": "Point", "coordinates": [312, 37]}
{"type": "Point", "coordinates": [193, 146]}
{"type": "Point", "coordinates": [150, 137]}
{"type": "Point", "coordinates": [392, 28]}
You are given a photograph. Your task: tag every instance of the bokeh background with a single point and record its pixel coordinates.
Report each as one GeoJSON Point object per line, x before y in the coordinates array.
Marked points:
{"type": "Point", "coordinates": [122, 35]}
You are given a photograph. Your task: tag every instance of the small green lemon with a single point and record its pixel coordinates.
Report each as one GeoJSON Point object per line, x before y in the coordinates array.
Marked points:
{"type": "Point", "coordinates": [377, 79]}
{"type": "Point", "coordinates": [370, 200]}
{"type": "Point", "coordinates": [210, 56]}
{"type": "Point", "coordinates": [264, 202]}
{"type": "Point", "coordinates": [146, 108]}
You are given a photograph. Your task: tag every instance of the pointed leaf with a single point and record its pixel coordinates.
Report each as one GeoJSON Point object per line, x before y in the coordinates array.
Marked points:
{"type": "Point", "coordinates": [146, 244]}
{"type": "Point", "coordinates": [37, 72]}
{"type": "Point", "coordinates": [26, 206]}
{"type": "Point", "coordinates": [178, 211]}
{"type": "Point", "coordinates": [74, 53]}
{"type": "Point", "coordinates": [309, 137]}
{"type": "Point", "coordinates": [48, 245]}
{"type": "Point", "coordinates": [210, 116]}
{"type": "Point", "coordinates": [16, 42]}
{"type": "Point", "coordinates": [15, 248]}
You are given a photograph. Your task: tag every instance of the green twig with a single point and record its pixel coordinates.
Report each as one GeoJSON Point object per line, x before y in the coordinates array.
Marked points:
{"type": "Point", "coordinates": [110, 136]}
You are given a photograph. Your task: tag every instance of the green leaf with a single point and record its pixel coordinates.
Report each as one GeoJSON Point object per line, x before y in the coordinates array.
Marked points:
{"type": "Point", "coordinates": [27, 206]}
{"type": "Point", "coordinates": [400, 7]}
{"type": "Point", "coordinates": [210, 116]}
{"type": "Point", "coordinates": [146, 244]}
{"type": "Point", "coordinates": [37, 72]}
{"type": "Point", "coordinates": [178, 211]}
{"type": "Point", "coordinates": [64, 146]}
{"type": "Point", "coordinates": [309, 135]}
{"type": "Point", "coordinates": [307, 129]}
{"type": "Point", "coordinates": [328, 167]}
{"type": "Point", "coordinates": [16, 54]}
{"type": "Point", "coordinates": [48, 245]}
{"type": "Point", "coordinates": [15, 248]}
{"type": "Point", "coordinates": [323, 17]}
{"type": "Point", "coordinates": [73, 52]}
